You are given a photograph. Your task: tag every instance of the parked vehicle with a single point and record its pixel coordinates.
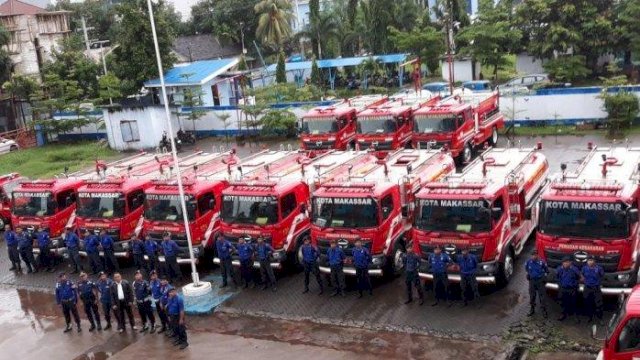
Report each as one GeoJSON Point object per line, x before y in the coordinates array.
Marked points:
{"type": "Point", "coordinates": [523, 83]}
{"type": "Point", "coordinates": [7, 184]}
{"type": "Point", "coordinates": [186, 137]}
{"type": "Point", "coordinates": [478, 85]}
{"type": "Point", "coordinates": [165, 143]}
{"type": "Point", "coordinates": [622, 334]}
{"type": "Point", "coordinates": [8, 145]}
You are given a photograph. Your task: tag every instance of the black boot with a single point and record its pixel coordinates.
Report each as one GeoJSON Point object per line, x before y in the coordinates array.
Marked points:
{"type": "Point", "coordinates": [532, 311]}
{"type": "Point", "coordinates": [408, 301]}
{"type": "Point", "coordinates": [67, 329]}
{"type": "Point", "coordinates": [306, 290]}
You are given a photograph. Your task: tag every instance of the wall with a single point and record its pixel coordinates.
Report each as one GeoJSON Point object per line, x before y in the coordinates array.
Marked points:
{"type": "Point", "coordinates": [93, 131]}
{"type": "Point", "coordinates": [527, 64]}
{"type": "Point", "coordinates": [462, 70]}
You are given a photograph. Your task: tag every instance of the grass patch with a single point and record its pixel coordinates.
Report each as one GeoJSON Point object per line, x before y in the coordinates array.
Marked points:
{"type": "Point", "coordinates": [50, 160]}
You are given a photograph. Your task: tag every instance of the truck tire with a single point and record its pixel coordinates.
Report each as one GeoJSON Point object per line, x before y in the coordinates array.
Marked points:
{"type": "Point", "coordinates": [493, 140]}
{"type": "Point", "coordinates": [395, 265]}
{"type": "Point", "coordinates": [3, 223]}
{"type": "Point", "coordinates": [466, 155]}
{"type": "Point", "coordinates": [294, 259]}
{"type": "Point", "coordinates": [506, 269]}
{"type": "Point", "coordinates": [13, 148]}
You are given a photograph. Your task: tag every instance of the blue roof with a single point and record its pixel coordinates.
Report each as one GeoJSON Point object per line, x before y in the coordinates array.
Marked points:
{"type": "Point", "coordinates": [199, 72]}
{"type": "Point", "coordinates": [341, 62]}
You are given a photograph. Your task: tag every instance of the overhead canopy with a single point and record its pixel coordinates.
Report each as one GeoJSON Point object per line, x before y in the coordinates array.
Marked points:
{"type": "Point", "coordinates": [195, 74]}
{"type": "Point", "coordinates": [341, 62]}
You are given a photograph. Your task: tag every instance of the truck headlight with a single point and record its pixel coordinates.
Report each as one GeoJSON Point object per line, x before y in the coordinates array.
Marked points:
{"type": "Point", "coordinates": [488, 267]}
{"type": "Point", "coordinates": [624, 277]}
{"type": "Point", "coordinates": [55, 242]}
{"type": "Point", "coordinates": [125, 245]}
{"type": "Point", "coordinates": [377, 260]}
{"type": "Point", "coordinates": [278, 255]}
{"type": "Point", "coordinates": [196, 251]}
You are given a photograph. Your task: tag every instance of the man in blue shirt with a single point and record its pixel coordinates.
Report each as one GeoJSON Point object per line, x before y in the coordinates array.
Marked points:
{"type": "Point", "coordinates": [151, 250]}
{"type": "Point", "coordinates": [104, 284]}
{"type": "Point", "coordinates": [44, 244]}
{"type": "Point", "coordinates": [245, 253]}
{"type": "Point", "coordinates": [224, 249]}
{"type": "Point", "coordinates": [92, 247]}
{"type": "Point", "coordinates": [336, 264]}
{"type": "Point", "coordinates": [137, 250]}
{"type": "Point", "coordinates": [263, 252]}
{"type": "Point", "coordinates": [171, 249]}
{"type": "Point", "coordinates": [165, 287]}
{"type": "Point", "coordinates": [310, 263]}
{"type": "Point", "coordinates": [175, 310]}
{"type": "Point", "coordinates": [468, 282]}
{"type": "Point", "coordinates": [67, 298]}
{"type": "Point", "coordinates": [142, 293]}
{"type": "Point", "coordinates": [568, 277]}
{"type": "Point", "coordinates": [412, 279]}
{"type": "Point", "coordinates": [12, 248]}
{"type": "Point", "coordinates": [110, 261]}
{"type": "Point", "coordinates": [592, 275]}
{"type": "Point", "coordinates": [72, 242]}
{"type": "Point", "coordinates": [89, 295]}
{"type": "Point", "coordinates": [361, 260]}
{"type": "Point", "coordinates": [25, 247]}
{"type": "Point", "coordinates": [156, 294]}
{"type": "Point", "coordinates": [536, 275]}
{"type": "Point", "coordinates": [439, 262]}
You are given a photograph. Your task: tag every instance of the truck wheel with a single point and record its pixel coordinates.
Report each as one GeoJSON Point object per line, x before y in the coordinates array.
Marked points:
{"type": "Point", "coordinates": [13, 148]}
{"type": "Point", "coordinates": [395, 265]}
{"type": "Point", "coordinates": [2, 223]}
{"type": "Point", "coordinates": [294, 259]}
{"type": "Point", "coordinates": [494, 137]}
{"type": "Point", "coordinates": [506, 269]}
{"type": "Point", "coordinates": [466, 155]}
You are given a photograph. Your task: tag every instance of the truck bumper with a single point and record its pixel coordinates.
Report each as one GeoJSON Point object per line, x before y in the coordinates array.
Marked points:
{"type": "Point", "coordinates": [482, 279]}
{"type": "Point", "coordinates": [181, 260]}
{"type": "Point", "coordinates": [605, 290]}
{"type": "Point", "coordinates": [348, 270]}
{"type": "Point", "coordinates": [614, 283]}
{"type": "Point", "coordinates": [256, 264]}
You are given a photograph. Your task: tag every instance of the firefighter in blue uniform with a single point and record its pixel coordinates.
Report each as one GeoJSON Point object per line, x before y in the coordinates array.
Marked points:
{"type": "Point", "coordinates": [142, 292]}
{"type": "Point", "coordinates": [151, 250]}
{"type": "Point", "coordinates": [361, 260]}
{"type": "Point", "coordinates": [44, 244]}
{"type": "Point", "coordinates": [25, 247]}
{"type": "Point", "coordinates": [412, 278]}
{"type": "Point", "coordinates": [439, 262]}
{"type": "Point", "coordinates": [175, 310]}
{"type": "Point", "coordinates": [468, 283]}
{"type": "Point", "coordinates": [224, 249]}
{"type": "Point", "coordinates": [110, 261]}
{"type": "Point", "coordinates": [89, 295]}
{"type": "Point", "coordinates": [165, 287]}
{"type": "Point", "coordinates": [592, 274]}
{"type": "Point", "coordinates": [92, 247]}
{"type": "Point", "coordinates": [72, 242]}
{"type": "Point", "coordinates": [156, 293]}
{"type": "Point", "coordinates": [310, 256]}
{"type": "Point", "coordinates": [171, 249]}
{"type": "Point", "coordinates": [264, 251]}
{"type": "Point", "coordinates": [336, 264]}
{"type": "Point", "coordinates": [137, 250]}
{"type": "Point", "coordinates": [104, 284]}
{"type": "Point", "coordinates": [245, 253]}
{"type": "Point", "coordinates": [536, 275]}
{"type": "Point", "coordinates": [568, 277]}
{"type": "Point", "coordinates": [67, 298]}
{"type": "Point", "coordinates": [12, 248]}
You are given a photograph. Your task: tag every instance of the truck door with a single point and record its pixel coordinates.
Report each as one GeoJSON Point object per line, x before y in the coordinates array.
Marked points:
{"type": "Point", "coordinates": [291, 219]}
{"type": "Point", "coordinates": [204, 226]}
{"type": "Point", "coordinates": [132, 222]}
{"type": "Point", "coordinates": [391, 220]}
{"type": "Point", "coordinates": [627, 342]}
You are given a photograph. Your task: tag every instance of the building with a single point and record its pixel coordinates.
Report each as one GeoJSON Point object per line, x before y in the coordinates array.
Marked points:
{"type": "Point", "coordinates": [301, 10]}
{"type": "Point", "coordinates": [203, 47]}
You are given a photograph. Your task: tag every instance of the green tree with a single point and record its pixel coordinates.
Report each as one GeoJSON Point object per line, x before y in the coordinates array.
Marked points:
{"type": "Point", "coordinates": [109, 88]}
{"type": "Point", "coordinates": [314, 17]}
{"type": "Point", "coordinates": [275, 17]}
{"type": "Point", "coordinates": [321, 30]}
{"type": "Point", "coordinates": [224, 119]}
{"type": "Point", "coordinates": [316, 76]}
{"type": "Point", "coordinates": [621, 105]}
{"type": "Point", "coordinates": [134, 60]}
{"type": "Point", "coordinates": [377, 18]}
{"type": "Point", "coordinates": [567, 68]}
{"type": "Point", "coordinates": [5, 59]}
{"type": "Point", "coordinates": [70, 62]}
{"type": "Point", "coordinates": [281, 73]}
{"type": "Point", "coordinates": [628, 12]}
{"type": "Point", "coordinates": [97, 13]}
{"type": "Point", "coordinates": [424, 41]}
{"type": "Point", "coordinates": [278, 122]}
{"type": "Point", "coordinates": [21, 87]}
{"type": "Point", "coordinates": [192, 101]}
{"type": "Point", "coordinates": [352, 11]}
{"type": "Point", "coordinates": [226, 19]}
{"type": "Point", "coordinates": [405, 14]}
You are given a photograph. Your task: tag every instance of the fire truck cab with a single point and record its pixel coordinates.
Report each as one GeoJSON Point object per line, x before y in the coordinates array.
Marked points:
{"type": "Point", "coordinates": [594, 212]}
{"type": "Point", "coordinates": [373, 202]}
{"type": "Point", "coordinates": [461, 123]}
{"type": "Point", "coordinates": [7, 184]}
{"type": "Point", "coordinates": [622, 334]}
{"type": "Point", "coordinates": [488, 209]}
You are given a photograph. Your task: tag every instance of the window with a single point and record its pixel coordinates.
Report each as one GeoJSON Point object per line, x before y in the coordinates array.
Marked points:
{"type": "Point", "coordinates": [66, 198]}
{"type": "Point", "coordinates": [288, 204]}
{"type": "Point", "coordinates": [135, 200]}
{"type": "Point", "coordinates": [629, 338]}
{"type": "Point", "coordinates": [387, 206]}
{"type": "Point", "coordinates": [205, 203]}
{"type": "Point", "coordinates": [499, 204]}
{"type": "Point", "coordinates": [129, 130]}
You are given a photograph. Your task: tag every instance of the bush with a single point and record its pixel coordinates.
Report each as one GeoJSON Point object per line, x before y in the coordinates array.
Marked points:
{"type": "Point", "coordinates": [279, 123]}
{"type": "Point", "coordinates": [287, 93]}
{"type": "Point", "coordinates": [622, 108]}
{"type": "Point", "coordinates": [567, 68]}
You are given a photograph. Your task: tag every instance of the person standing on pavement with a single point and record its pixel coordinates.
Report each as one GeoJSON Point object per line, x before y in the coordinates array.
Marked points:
{"type": "Point", "coordinates": [264, 251]}
{"type": "Point", "coordinates": [568, 277]}
{"type": "Point", "coordinates": [592, 274]}
{"type": "Point", "coordinates": [536, 274]}
{"type": "Point", "coordinates": [137, 249]}
{"type": "Point", "coordinates": [361, 260]}
{"type": "Point", "coordinates": [25, 247]}
{"type": "Point", "coordinates": [104, 288]}
{"type": "Point", "coordinates": [92, 247]}
{"type": "Point", "coordinates": [122, 301]}
{"type": "Point", "coordinates": [336, 263]}
{"type": "Point", "coordinates": [44, 244]}
{"type": "Point", "coordinates": [72, 242]}
{"type": "Point", "coordinates": [412, 279]}
{"type": "Point", "coordinates": [67, 298]}
{"type": "Point", "coordinates": [310, 255]}
{"type": "Point", "coordinates": [156, 293]}
{"type": "Point", "coordinates": [89, 295]}
{"type": "Point", "coordinates": [468, 283]}
{"type": "Point", "coordinates": [170, 249]}
{"type": "Point", "coordinates": [245, 253]}
{"type": "Point", "coordinates": [151, 250]}
{"type": "Point", "coordinates": [110, 261]}
{"type": "Point", "coordinates": [175, 310]}
{"type": "Point", "coordinates": [224, 249]}
{"type": "Point", "coordinates": [142, 292]}
{"type": "Point", "coordinates": [439, 262]}
{"type": "Point", "coordinates": [165, 287]}
{"type": "Point", "coordinates": [12, 248]}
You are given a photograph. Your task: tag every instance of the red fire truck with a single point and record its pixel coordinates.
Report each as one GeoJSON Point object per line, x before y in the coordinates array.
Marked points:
{"type": "Point", "coordinates": [7, 184]}
{"type": "Point", "coordinates": [460, 123]}
{"type": "Point", "coordinates": [334, 127]}
{"type": "Point", "coordinates": [390, 126]}
{"type": "Point", "coordinates": [273, 202]}
{"type": "Point", "coordinates": [486, 209]}
{"type": "Point", "coordinates": [373, 203]}
{"type": "Point", "coordinates": [622, 335]}
{"type": "Point", "coordinates": [594, 212]}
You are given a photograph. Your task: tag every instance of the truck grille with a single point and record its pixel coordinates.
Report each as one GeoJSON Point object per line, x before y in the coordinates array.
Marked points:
{"type": "Point", "coordinates": [427, 249]}
{"type": "Point", "coordinates": [381, 145]}
{"type": "Point", "coordinates": [609, 263]}
{"type": "Point", "coordinates": [233, 239]}
{"type": "Point", "coordinates": [319, 145]}
{"type": "Point", "coordinates": [324, 245]}
{"type": "Point", "coordinates": [434, 145]}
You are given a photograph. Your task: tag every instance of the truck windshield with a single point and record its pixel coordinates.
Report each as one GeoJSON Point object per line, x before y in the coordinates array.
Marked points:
{"type": "Point", "coordinates": [615, 320]}
{"type": "Point", "coordinates": [434, 123]}
{"type": "Point", "coordinates": [376, 125]}
{"type": "Point", "coordinates": [584, 219]}
{"type": "Point", "coordinates": [315, 126]}
{"type": "Point", "coordinates": [258, 210]}
{"type": "Point", "coordinates": [33, 204]}
{"type": "Point", "coordinates": [8, 187]}
{"type": "Point", "coordinates": [345, 212]}
{"type": "Point", "coordinates": [167, 207]}
{"type": "Point", "coordinates": [466, 216]}
{"type": "Point", "coordinates": [100, 205]}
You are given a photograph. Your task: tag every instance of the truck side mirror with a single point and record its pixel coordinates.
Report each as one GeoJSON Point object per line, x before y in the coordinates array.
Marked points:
{"type": "Point", "coordinates": [496, 213]}
{"type": "Point", "coordinates": [212, 204]}
{"type": "Point", "coordinates": [632, 215]}
{"type": "Point", "coordinates": [386, 212]}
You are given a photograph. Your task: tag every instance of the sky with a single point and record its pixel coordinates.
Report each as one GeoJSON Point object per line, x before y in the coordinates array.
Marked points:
{"type": "Point", "coordinates": [43, 3]}
{"type": "Point", "coordinates": [183, 7]}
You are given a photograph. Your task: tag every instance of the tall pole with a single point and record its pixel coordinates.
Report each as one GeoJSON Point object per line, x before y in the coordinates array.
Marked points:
{"type": "Point", "coordinates": [300, 28]}
{"type": "Point", "coordinates": [85, 32]}
{"type": "Point", "coordinates": [194, 272]}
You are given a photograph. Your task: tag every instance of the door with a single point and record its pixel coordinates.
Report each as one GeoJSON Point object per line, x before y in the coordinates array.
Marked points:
{"type": "Point", "coordinates": [216, 95]}
{"type": "Point", "coordinates": [627, 344]}
{"type": "Point", "coordinates": [203, 224]}
{"type": "Point", "coordinates": [133, 216]}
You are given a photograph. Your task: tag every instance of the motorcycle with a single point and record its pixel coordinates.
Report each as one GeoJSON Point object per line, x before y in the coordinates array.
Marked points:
{"type": "Point", "coordinates": [165, 143]}
{"type": "Point", "coordinates": [186, 137]}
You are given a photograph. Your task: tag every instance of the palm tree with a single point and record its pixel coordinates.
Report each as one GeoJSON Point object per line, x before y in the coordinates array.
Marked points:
{"type": "Point", "coordinates": [274, 22]}
{"type": "Point", "coordinates": [323, 28]}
